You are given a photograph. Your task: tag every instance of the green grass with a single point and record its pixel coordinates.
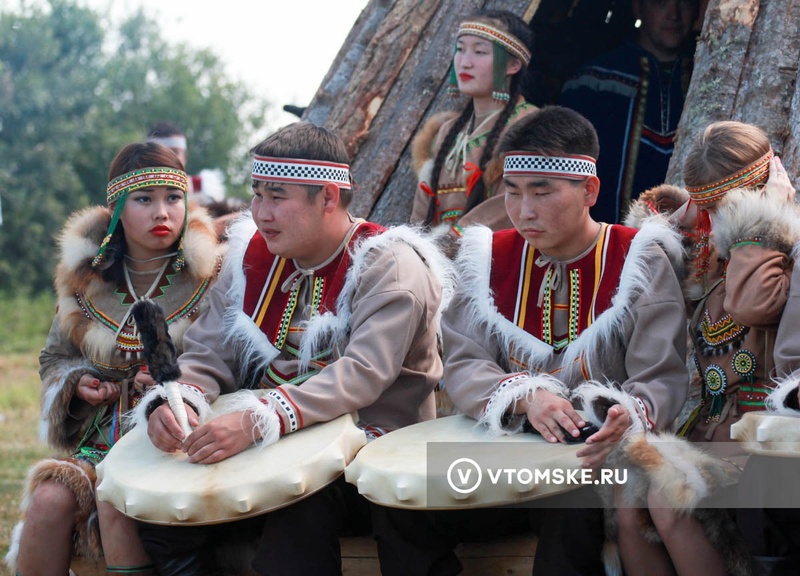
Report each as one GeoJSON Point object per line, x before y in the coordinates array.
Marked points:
{"type": "Point", "coordinates": [25, 323]}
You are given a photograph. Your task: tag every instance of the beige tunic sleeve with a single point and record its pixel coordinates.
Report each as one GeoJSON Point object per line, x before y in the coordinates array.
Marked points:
{"type": "Point", "coordinates": [206, 362]}
{"type": "Point", "coordinates": [471, 371]}
{"type": "Point", "coordinates": [390, 363]}
{"type": "Point", "coordinates": [655, 353]}
{"type": "Point", "coordinates": [757, 285]}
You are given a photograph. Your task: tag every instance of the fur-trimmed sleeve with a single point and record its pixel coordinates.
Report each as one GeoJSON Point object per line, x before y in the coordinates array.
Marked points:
{"type": "Point", "coordinates": [64, 418]}
{"type": "Point", "coordinates": [756, 233]}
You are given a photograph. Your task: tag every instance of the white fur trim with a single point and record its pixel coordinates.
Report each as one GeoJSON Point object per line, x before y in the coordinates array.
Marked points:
{"type": "Point", "coordinates": [743, 214]}
{"type": "Point", "coordinates": [512, 390]}
{"type": "Point", "coordinates": [253, 348]}
{"type": "Point", "coordinates": [634, 279]}
{"type": "Point", "coordinates": [193, 396]}
{"type": "Point", "coordinates": [263, 415]}
{"type": "Point", "coordinates": [590, 391]}
{"type": "Point", "coordinates": [611, 560]}
{"type": "Point", "coordinates": [474, 262]}
{"type": "Point", "coordinates": [13, 549]}
{"type": "Point", "coordinates": [784, 387]}
{"type": "Point", "coordinates": [333, 328]}
{"type": "Point", "coordinates": [53, 393]}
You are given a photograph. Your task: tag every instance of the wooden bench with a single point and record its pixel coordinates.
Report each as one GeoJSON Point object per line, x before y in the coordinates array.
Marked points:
{"type": "Point", "coordinates": [510, 557]}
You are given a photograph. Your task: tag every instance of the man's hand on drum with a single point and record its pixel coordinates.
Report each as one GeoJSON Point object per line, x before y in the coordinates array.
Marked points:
{"type": "Point", "coordinates": [550, 415]}
{"type": "Point", "coordinates": [164, 430]}
{"type": "Point", "coordinates": [600, 444]}
{"type": "Point", "coordinates": [221, 438]}
{"type": "Point", "coordinates": [95, 391]}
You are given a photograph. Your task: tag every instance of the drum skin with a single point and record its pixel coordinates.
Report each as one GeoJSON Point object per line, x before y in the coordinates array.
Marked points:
{"type": "Point", "coordinates": [768, 434]}
{"type": "Point", "coordinates": [393, 469]}
{"type": "Point", "coordinates": [158, 487]}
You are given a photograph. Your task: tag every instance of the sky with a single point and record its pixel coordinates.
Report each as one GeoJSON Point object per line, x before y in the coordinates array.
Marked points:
{"type": "Point", "coordinates": [280, 49]}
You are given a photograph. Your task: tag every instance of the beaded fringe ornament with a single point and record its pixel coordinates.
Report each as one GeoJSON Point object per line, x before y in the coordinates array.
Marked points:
{"type": "Point", "coordinates": [500, 77]}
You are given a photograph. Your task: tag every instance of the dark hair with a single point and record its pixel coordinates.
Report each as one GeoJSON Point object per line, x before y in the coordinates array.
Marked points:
{"type": "Point", "coordinates": [306, 141]}
{"type": "Point", "coordinates": [515, 26]}
{"type": "Point", "coordinates": [552, 131]}
{"type": "Point", "coordinates": [163, 129]}
{"type": "Point", "coordinates": [133, 157]}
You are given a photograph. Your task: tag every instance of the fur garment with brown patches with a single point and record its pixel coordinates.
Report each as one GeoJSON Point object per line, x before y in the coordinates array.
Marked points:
{"type": "Point", "coordinates": [663, 199]}
{"type": "Point", "coordinates": [685, 475]}
{"type": "Point", "coordinates": [423, 142]}
{"type": "Point", "coordinates": [80, 478]}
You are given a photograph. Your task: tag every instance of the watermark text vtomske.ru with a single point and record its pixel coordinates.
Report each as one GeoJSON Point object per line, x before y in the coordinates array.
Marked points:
{"type": "Point", "coordinates": [465, 475]}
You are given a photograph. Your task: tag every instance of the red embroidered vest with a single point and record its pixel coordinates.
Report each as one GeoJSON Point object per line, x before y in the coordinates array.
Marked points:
{"type": "Point", "coordinates": [593, 281]}
{"type": "Point", "coordinates": [265, 273]}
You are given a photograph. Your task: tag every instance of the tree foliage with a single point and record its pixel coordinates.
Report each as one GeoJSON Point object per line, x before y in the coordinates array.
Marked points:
{"type": "Point", "coordinates": [73, 91]}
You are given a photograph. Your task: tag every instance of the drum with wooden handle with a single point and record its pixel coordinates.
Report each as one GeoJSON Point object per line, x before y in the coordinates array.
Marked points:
{"type": "Point", "coordinates": [452, 463]}
{"type": "Point", "coordinates": [158, 487]}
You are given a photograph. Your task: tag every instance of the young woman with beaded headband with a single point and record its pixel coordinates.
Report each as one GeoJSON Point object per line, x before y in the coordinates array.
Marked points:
{"type": "Point", "coordinates": [453, 152]}
{"type": "Point", "coordinates": [145, 244]}
{"type": "Point", "coordinates": [741, 224]}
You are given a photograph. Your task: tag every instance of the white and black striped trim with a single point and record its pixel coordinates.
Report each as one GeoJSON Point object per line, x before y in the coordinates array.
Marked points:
{"type": "Point", "coordinates": [288, 408]}
{"type": "Point", "coordinates": [572, 167]}
{"type": "Point", "coordinates": [296, 171]}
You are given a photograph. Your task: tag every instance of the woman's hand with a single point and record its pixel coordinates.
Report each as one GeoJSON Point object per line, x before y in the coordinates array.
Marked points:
{"type": "Point", "coordinates": [778, 185]}
{"type": "Point", "coordinates": [96, 392]}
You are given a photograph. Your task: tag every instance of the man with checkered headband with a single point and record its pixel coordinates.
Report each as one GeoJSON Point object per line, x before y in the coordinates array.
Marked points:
{"type": "Point", "coordinates": [318, 314]}
{"type": "Point", "coordinates": [563, 312]}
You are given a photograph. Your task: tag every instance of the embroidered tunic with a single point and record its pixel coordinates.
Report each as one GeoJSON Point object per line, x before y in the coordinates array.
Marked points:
{"type": "Point", "coordinates": [735, 320]}
{"type": "Point", "coordinates": [456, 181]}
{"type": "Point", "coordinates": [617, 316]}
{"type": "Point", "coordinates": [83, 340]}
{"type": "Point", "coordinates": [357, 333]}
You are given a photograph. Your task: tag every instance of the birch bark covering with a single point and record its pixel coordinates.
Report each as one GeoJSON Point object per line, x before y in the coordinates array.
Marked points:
{"type": "Point", "coordinates": [746, 69]}
{"type": "Point", "coordinates": [389, 76]}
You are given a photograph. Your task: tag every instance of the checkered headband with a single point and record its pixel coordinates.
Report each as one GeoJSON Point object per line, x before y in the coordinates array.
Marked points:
{"type": "Point", "coordinates": [295, 171]}
{"type": "Point", "coordinates": [571, 167]}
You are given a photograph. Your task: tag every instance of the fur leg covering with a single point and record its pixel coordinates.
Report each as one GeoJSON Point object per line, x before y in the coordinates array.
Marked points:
{"type": "Point", "coordinates": [79, 477]}
{"type": "Point", "coordinates": [684, 475]}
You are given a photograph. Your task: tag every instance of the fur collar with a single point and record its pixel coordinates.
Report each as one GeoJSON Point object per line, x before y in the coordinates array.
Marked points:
{"type": "Point", "coordinates": [332, 327]}
{"type": "Point", "coordinates": [743, 214]}
{"type": "Point", "coordinates": [474, 264]}
{"type": "Point", "coordinates": [84, 231]}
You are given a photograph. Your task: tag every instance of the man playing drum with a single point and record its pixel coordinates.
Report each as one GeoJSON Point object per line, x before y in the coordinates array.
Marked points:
{"type": "Point", "coordinates": [323, 313]}
{"type": "Point", "coordinates": [561, 309]}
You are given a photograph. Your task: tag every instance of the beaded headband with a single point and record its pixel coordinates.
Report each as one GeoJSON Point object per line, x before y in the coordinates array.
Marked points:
{"type": "Point", "coordinates": [119, 188]}
{"type": "Point", "coordinates": [294, 171]}
{"type": "Point", "coordinates": [170, 141]}
{"type": "Point", "coordinates": [146, 178]}
{"type": "Point", "coordinates": [750, 176]}
{"type": "Point", "coordinates": [571, 167]}
{"type": "Point", "coordinates": [511, 43]}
